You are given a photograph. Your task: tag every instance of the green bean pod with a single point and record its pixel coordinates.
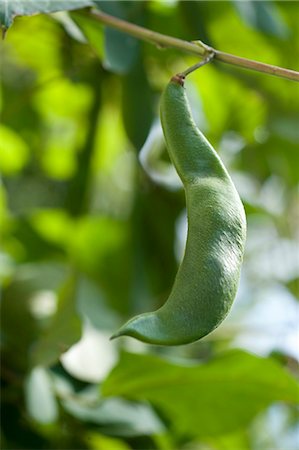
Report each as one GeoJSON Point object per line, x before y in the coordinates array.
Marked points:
{"type": "Point", "coordinates": [207, 280]}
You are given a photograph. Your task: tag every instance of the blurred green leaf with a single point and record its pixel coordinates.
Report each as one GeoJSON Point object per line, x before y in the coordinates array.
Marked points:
{"type": "Point", "coordinates": [117, 416]}
{"type": "Point", "coordinates": [18, 327]}
{"type": "Point", "coordinates": [54, 225]}
{"type": "Point", "coordinates": [225, 393]}
{"type": "Point", "coordinates": [24, 299]}
{"type": "Point", "coordinates": [250, 43]}
{"type": "Point", "coordinates": [120, 48]}
{"type": "Point", "coordinates": [31, 245]}
{"type": "Point", "coordinates": [63, 330]}
{"type": "Point", "coordinates": [12, 8]}
{"type": "Point", "coordinates": [94, 239]}
{"type": "Point", "coordinates": [14, 152]}
{"type": "Point", "coordinates": [153, 159]}
{"type": "Point", "coordinates": [98, 441]}
{"type": "Point", "coordinates": [262, 15]}
{"type": "Point", "coordinates": [64, 99]}
{"type": "Point", "coordinates": [40, 399]}
{"type": "Point", "coordinates": [32, 59]}
{"type": "Point", "coordinates": [92, 306]}
{"type": "Point", "coordinates": [100, 248]}
{"type": "Point", "coordinates": [3, 210]}
{"type": "Point", "coordinates": [194, 15]}
{"type": "Point", "coordinates": [238, 440]}
{"type": "Point", "coordinates": [137, 104]}
{"type": "Point", "coordinates": [92, 31]}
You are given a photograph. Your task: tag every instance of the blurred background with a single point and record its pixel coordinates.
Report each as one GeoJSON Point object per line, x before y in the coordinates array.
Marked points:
{"type": "Point", "coordinates": [93, 227]}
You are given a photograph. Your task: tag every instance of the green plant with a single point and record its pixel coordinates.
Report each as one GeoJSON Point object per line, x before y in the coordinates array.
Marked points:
{"type": "Point", "coordinates": [207, 280]}
{"type": "Point", "coordinates": [92, 224]}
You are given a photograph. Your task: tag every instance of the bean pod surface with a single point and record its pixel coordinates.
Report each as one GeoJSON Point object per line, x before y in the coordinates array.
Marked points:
{"type": "Point", "coordinates": [207, 279]}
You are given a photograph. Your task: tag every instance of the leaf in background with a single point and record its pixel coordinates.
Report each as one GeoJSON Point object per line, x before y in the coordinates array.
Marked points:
{"type": "Point", "coordinates": [39, 396]}
{"type": "Point", "coordinates": [92, 31]}
{"type": "Point", "coordinates": [100, 248]}
{"type": "Point", "coordinates": [70, 27]}
{"type": "Point", "coordinates": [225, 393]}
{"type": "Point", "coordinates": [64, 329]}
{"type": "Point", "coordinates": [18, 328]}
{"type": "Point", "coordinates": [14, 151]}
{"type": "Point", "coordinates": [115, 416]}
{"type": "Point", "coordinates": [195, 16]}
{"type": "Point", "coordinates": [92, 306]}
{"type": "Point", "coordinates": [263, 16]}
{"type": "Point", "coordinates": [4, 215]}
{"type": "Point", "coordinates": [229, 113]}
{"type": "Point", "coordinates": [239, 440]}
{"type": "Point", "coordinates": [9, 9]}
{"type": "Point", "coordinates": [53, 225]}
{"type": "Point", "coordinates": [120, 49]}
{"type": "Point", "coordinates": [30, 244]}
{"type": "Point", "coordinates": [21, 304]}
{"type": "Point", "coordinates": [97, 441]}
{"type": "Point", "coordinates": [162, 172]}
{"type": "Point", "coordinates": [137, 104]}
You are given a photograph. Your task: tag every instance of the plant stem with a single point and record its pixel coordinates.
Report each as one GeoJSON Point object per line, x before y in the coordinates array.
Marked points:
{"type": "Point", "coordinates": [191, 69]}
{"type": "Point", "coordinates": [197, 47]}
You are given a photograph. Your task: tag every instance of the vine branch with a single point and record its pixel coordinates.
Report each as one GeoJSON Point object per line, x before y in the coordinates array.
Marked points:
{"type": "Point", "coordinates": [196, 47]}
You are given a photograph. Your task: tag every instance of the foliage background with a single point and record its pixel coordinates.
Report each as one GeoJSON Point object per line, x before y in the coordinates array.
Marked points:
{"type": "Point", "coordinates": [93, 227]}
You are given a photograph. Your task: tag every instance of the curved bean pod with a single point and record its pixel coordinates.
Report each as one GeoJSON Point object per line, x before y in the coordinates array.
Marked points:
{"type": "Point", "coordinates": [207, 280]}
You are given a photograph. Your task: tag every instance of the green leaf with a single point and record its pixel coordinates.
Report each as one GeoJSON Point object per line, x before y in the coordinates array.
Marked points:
{"type": "Point", "coordinates": [120, 49]}
{"type": "Point", "coordinates": [96, 441]}
{"type": "Point", "coordinates": [263, 16]}
{"type": "Point", "coordinates": [91, 305]}
{"type": "Point", "coordinates": [14, 152]}
{"type": "Point", "coordinates": [54, 225]}
{"type": "Point", "coordinates": [64, 329]}
{"type": "Point", "coordinates": [137, 104]}
{"type": "Point", "coordinates": [18, 328]}
{"type": "Point", "coordinates": [208, 399]}
{"type": "Point", "coordinates": [92, 32]}
{"type": "Point", "coordinates": [9, 9]}
{"type": "Point", "coordinates": [39, 396]}
{"type": "Point", "coordinates": [116, 416]}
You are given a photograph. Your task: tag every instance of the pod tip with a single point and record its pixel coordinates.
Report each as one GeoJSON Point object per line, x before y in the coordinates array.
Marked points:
{"type": "Point", "coordinates": [117, 334]}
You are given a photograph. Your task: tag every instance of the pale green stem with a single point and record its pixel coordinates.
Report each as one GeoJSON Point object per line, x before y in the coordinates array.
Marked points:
{"type": "Point", "coordinates": [197, 47]}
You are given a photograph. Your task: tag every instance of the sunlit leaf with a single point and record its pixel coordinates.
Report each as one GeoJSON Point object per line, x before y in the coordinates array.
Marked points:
{"type": "Point", "coordinates": [14, 151]}
{"type": "Point", "coordinates": [92, 32]}
{"type": "Point", "coordinates": [95, 238]}
{"type": "Point", "coordinates": [225, 393]}
{"type": "Point", "coordinates": [63, 98]}
{"type": "Point", "coordinates": [54, 225]}
{"type": "Point", "coordinates": [58, 161]}
{"type": "Point", "coordinates": [96, 441]}
{"type": "Point", "coordinates": [37, 57]}
{"type": "Point", "coordinates": [250, 42]}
